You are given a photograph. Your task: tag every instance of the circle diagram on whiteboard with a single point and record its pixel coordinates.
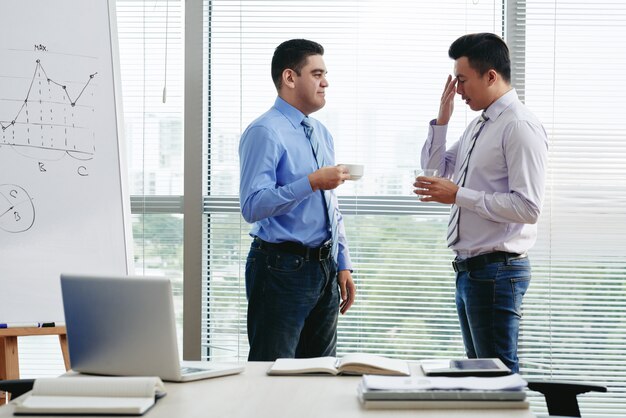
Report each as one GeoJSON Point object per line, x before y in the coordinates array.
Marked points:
{"type": "Point", "coordinates": [17, 212]}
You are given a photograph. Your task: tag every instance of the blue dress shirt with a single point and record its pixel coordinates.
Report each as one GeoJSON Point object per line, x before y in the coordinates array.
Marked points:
{"type": "Point", "coordinates": [503, 193]}
{"type": "Point", "coordinates": [275, 193]}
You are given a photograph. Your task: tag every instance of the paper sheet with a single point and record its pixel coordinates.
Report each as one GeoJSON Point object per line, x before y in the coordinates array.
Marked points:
{"type": "Point", "coordinates": [511, 382]}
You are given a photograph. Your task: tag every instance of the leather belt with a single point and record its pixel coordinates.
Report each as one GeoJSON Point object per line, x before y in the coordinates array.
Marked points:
{"type": "Point", "coordinates": [480, 261]}
{"type": "Point", "coordinates": [317, 254]}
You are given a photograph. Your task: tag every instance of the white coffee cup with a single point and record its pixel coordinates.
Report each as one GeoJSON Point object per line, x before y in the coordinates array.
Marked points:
{"type": "Point", "coordinates": [355, 170]}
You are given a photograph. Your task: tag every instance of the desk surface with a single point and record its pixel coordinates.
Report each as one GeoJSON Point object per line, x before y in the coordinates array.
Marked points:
{"type": "Point", "coordinates": [254, 394]}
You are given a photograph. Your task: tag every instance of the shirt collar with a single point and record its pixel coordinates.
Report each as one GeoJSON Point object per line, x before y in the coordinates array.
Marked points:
{"type": "Point", "coordinates": [293, 115]}
{"type": "Point", "coordinates": [500, 105]}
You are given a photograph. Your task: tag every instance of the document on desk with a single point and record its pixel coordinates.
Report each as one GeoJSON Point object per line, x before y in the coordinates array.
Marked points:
{"type": "Point", "coordinates": [416, 392]}
{"type": "Point", "coordinates": [91, 395]}
{"type": "Point", "coordinates": [511, 382]}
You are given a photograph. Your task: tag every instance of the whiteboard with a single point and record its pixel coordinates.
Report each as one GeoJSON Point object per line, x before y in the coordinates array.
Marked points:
{"type": "Point", "coordinates": [63, 205]}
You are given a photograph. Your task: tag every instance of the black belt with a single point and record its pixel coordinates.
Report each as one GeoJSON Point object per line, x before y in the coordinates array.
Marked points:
{"type": "Point", "coordinates": [318, 253]}
{"type": "Point", "coordinates": [480, 261]}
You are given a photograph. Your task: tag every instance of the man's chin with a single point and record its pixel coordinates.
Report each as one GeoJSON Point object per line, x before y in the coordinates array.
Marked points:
{"type": "Point", "coordinates": [474, 107]}
{"type": "Point", "coordinates": [319, 105]}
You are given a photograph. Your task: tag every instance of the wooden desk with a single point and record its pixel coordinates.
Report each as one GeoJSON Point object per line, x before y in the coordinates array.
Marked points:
{"type": "Point", "coordinates": [254, 394]}
{"type": "Point", "coordinates": [9, 359]}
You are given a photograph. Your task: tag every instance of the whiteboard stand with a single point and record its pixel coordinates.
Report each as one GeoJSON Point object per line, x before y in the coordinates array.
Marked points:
{"type": "Point", "coordinates": [9, 360]}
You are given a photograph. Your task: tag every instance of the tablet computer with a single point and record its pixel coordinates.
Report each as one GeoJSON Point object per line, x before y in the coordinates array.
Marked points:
{"type": "Point", "coordinates": [465, 367]}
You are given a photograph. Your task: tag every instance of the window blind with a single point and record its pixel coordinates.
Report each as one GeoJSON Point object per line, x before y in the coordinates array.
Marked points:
{"type": "Point", "coordinates": [573, 326]}
{"type": "Point", "coordinates": [387, 64]}
{"type": "Point", "coordinates": [151, 61]}
{"type": "Point", "coordinates": [150, 49]}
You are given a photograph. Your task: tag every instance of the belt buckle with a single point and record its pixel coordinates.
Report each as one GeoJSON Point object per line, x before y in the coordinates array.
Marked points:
{"type": "Point", "coordinates": [324, 252]}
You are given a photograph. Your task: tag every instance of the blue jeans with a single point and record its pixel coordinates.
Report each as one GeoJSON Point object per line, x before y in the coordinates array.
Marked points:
{"type": "Point", "coordinates": [489, 305]}
{"type": "Point", "coordinates": [293, 305]}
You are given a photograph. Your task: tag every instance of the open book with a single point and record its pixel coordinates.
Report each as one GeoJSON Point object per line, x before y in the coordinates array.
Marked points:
{"type": "Point", "coordinates": [355, 364]}
{"type": "Point", "coordinates": [91, 395]}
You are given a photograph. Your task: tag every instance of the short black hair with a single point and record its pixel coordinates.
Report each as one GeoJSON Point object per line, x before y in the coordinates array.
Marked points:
{"type": "Point", "coordinates": [484, 51]}
{"type": "Point", "coordinates": [292, 54]}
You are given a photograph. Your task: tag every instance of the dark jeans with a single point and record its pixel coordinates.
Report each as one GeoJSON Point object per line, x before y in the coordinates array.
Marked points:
{"type": "Point", "coordinates": [489, 302]}
{"type": "Point", "coordinates": [293, 305]}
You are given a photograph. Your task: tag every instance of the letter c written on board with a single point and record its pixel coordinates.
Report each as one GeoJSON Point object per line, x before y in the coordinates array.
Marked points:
{"type": "Point", "coordinates": [82, 171]}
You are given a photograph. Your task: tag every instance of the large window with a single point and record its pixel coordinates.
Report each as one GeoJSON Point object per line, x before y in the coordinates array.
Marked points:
{"type": "Point", "coordinates": [575, 312]}
{"type": "Point", "coordinates": [387, 64]}
{"type": "Point", "coordinates": [151, 62]}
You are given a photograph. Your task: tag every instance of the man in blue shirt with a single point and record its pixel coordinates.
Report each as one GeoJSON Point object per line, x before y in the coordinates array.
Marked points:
{"type": "Point", "coordinates": [293, 281]}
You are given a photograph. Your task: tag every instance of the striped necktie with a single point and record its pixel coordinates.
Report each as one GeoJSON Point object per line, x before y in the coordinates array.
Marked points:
{"type": "Point", "coordinates": [455, 212]}
{"type": "Point", "coordinates": [329, 197]}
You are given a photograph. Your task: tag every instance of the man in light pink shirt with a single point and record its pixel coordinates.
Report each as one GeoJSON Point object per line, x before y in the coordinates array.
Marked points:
{"type": "Point", "coordinates": [494, 178]}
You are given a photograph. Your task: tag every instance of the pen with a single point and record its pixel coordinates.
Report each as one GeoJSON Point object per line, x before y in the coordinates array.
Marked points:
{"type": "Point", "coordinates": [19, 324]}
{"type": "Point", "coordinates": [27, 324]}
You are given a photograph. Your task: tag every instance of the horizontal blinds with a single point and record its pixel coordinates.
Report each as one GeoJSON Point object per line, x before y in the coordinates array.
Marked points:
{"type": "Point", "coordinates": [150, 50]}
{"type": "Point", "coordinates": [405, 289]}
{"type": "Point", "coordinates": [376, 52]}
{"type": "Point", "coordinates": [387, 64]}
{"type": "Point", "coordinates": [575, 310]}
{"type": "Point", "coordinates": [405, 292]}
{"type": "Point", "coordinates": [151, 57]}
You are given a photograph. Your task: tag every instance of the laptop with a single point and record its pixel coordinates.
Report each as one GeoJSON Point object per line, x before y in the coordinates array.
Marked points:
{"type": "Point", "coordinates": [124, 326]}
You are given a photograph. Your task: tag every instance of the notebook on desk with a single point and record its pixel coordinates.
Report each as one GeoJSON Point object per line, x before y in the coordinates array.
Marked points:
{"type": "Point", "coordinates": [125, 326]}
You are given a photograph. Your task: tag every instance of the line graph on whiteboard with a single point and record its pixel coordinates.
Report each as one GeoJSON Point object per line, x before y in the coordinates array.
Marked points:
{"type": "Point", "coordinates": [46, 116]}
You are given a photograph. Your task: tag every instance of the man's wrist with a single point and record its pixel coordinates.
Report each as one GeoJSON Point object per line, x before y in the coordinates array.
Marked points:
{"type": "Point", "coordinates": [313, 181]}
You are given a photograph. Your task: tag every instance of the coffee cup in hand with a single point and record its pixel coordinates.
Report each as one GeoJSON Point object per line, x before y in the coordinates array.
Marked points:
{"type": "Point", "coordinates": [355, 170]}
{"type": "Point", "coordinates": [419, 185]}
{"type": "Point", "coordinates": [426, 172]}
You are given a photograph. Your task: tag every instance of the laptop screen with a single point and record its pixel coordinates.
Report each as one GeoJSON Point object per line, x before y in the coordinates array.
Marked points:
{"type": "Point", "coordinates": [121, 325]}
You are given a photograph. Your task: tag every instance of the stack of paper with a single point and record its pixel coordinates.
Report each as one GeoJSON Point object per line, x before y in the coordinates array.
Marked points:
{"type": "Point", "coordinates": [91, 395]}
{"type": "Point", "coordinates": [381, 392]}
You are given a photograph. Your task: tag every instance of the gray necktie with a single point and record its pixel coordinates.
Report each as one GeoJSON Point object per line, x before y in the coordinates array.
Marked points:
{"type": "Point", "coordinates": [328, 195]}
{"type": "Point", "coordinates": [455, 212]}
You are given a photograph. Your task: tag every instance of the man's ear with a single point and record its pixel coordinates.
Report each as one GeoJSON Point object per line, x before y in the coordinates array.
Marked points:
{"type": "Point", "coordinates": [492, 76]}
{"type": "Point", "coordinates": [289, 78]}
